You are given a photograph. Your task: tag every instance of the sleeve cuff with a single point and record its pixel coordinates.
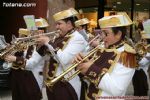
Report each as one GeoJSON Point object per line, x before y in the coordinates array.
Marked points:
{"type": "Point", "coordinates": [19, 60]}
{"type": "Point", "coordinates": [42, 50]}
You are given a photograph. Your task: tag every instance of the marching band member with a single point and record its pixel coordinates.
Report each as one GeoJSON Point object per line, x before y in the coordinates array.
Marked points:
{"type": "Point", "coordinates": [141, 87]}
{"type": "Point", "coordinates": [113, 67]}
{"type": "Point", "coordinates": [67, 45]}
{"type": "Point", "coordinates": [27, 72]}
{"type": "Point", "coordinates": [82, 27]}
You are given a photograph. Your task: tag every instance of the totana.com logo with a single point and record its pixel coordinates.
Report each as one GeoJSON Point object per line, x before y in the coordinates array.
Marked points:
{"type": "Point", "coordinates": [19, 4]}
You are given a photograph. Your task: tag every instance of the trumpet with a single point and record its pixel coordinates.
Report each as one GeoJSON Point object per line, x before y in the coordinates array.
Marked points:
{"type": "Point", "coordinates": [52, 35]}
{"type": "Point", "coordinates": [142, 49]}
{"type": "Point", "coordinates": [12, 49]}
{"type": "Point", "coordinates": [50, 82]}
{"type": "Point", "coordinates": [21, 43]}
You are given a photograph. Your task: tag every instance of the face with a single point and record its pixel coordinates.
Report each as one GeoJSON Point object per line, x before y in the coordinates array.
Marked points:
{"type": "Point", "coordinates": [109, 37]}
{"type": "Point", "coordinates": [62, 26]}
{"type": "Point", "coordinates": [79, 28]}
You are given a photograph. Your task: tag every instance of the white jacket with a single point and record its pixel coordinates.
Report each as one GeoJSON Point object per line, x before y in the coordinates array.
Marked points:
{"type": "Point", "coordinates": [116, 82]}
{"type": "Point", "coordinates": [75, 45]}
{"type": "Point", "coordinates": [36, 65]}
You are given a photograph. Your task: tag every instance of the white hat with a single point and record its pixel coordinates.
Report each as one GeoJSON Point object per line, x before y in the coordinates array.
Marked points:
{"type": "Point", "coordinates": [81, 22]}
{"type": "Point", "coordinates": [115, 21]}
{"type": "Point", "coordinates": [65, 14]}
{"type": "Point", "coordinates": [41, 23]}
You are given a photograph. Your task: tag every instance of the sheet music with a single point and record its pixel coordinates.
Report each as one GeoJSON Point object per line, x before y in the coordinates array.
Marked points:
{"type": "Point", "coordinates": [3, 43]}
{"type": "Point", "coordinates": [30, 22]}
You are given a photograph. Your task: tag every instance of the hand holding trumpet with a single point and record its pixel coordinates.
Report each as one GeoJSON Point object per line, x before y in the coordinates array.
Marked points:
{"type": "Point", "coordinates": [10, 58]}
{"type": "Point", "coordinates": [84, 66]}
{"type": "Point", "coordinates": [41, 40]}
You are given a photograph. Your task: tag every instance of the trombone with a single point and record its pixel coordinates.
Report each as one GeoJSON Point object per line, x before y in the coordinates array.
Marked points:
{"type": "Point", "coordinates": [49, 83]}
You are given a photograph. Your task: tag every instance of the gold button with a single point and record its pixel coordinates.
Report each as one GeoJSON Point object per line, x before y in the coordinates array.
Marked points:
{"type": "Point", "coordinates": [92, 74]}
{"type": "Point", "coordinates": [110, 61]}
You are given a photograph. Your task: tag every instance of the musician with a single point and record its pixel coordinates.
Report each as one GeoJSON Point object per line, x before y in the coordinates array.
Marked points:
{"type": "Point", "coordinates": [141, 87]}
{"type": "Point", "coordinates": [110, 70]}
{"type": "Point", "coordinates": [82, 27]}
{"type": "Point", "coordinates": [27, 72]}
{"type": "Point", "coordinates": [66, 46]}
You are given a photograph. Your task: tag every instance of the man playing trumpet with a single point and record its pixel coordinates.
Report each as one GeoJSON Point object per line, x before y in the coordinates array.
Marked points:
{"type": "Point", "coordinates": [141, 88]}
{"type": "Point", "coordinates": [66, 47]}
{"type": "Point", "coordinates": [114, 65]}
{"type": "Point", "coordinates": [27, 71]}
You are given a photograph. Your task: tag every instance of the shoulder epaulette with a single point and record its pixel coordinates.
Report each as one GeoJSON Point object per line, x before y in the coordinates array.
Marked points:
{"type": "Point", "coordinates": [128, 57]}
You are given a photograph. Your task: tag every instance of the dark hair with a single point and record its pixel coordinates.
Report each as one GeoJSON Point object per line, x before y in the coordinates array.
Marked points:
{"type": "Point", "coordinates": [112, 13]}
{"type": "Point", "coordinates": [148, 41]}
{"type": "Point", "coordinates": [85, 26]}
{"type": "Point", "coordinates": [42, 28]}
{"type": "Point", "coordinates": [140, 26]}
{"type": "Point", "coordinates": [122, 29]}
{"type": "Point", "coordinates": [71, 19]}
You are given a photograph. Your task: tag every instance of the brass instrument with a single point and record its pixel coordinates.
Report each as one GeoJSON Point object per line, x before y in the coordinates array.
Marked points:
{"type": "Point", "coordinates": [12, 49]}
{"type": "Point", "coordinates": [52, 35]}
{"type": "Point", "coordinates": [22, 43]}
{"type": "Point", "coordinates": [96, 37]}
{"type": "Point", "coordinates": [49, 83]}
{"type": "Point", "coordinates": [142, 49]}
